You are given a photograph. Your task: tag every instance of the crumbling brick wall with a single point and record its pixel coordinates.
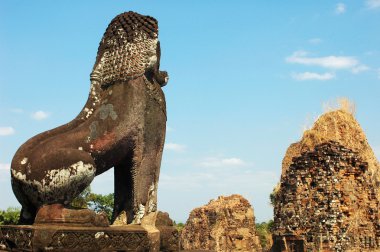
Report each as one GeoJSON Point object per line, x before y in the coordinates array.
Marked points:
{"type": "Point", "coordinates": [224, 224]}
{"type": "Point", "coordinates": [326, 202]}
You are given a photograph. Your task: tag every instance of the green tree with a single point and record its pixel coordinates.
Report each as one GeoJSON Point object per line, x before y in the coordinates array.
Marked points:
{"type": "Point", "coordinates": [179, 226]}
{"type": "Point", "coordinates": [9, 216]}
{"type": "Point", "coordinates": [87, 199]}
{"type": "Point", "coordinates": [96, 202]}
{"type": "Point", "coordinates": [264, 230]}
{"type": "Point", "coordinates": [82, 199]}
{"type": "Point", "coordinates": [101, 203]}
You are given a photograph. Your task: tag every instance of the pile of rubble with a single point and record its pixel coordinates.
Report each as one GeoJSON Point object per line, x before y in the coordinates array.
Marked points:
{"type": "Point", "coordinates": [225, 224]}
{"type": "Point", "coordinates": [326, 201]}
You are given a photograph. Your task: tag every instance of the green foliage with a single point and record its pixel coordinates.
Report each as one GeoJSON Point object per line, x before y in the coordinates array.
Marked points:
{"type": "Point", "coordinates": [10, 216]}
{"type": "Point", "coordinates": [179, 226]}
{"type": "Point", "coordinates": [87, 199]}
{"type": "Point", "coordinates": [82, 199]}
{"type": "Point", "coordinates": [264, 232]}
{"type": "Point", "coordinates": [270, 225]}
{"type": "Point", "coordinates": [96, 202]}
{"type": "Point", "coordinates": [101, 203]}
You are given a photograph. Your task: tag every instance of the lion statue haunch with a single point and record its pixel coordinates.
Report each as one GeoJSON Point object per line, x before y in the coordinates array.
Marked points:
{"type": "Point", "coordinates": [122, 125]}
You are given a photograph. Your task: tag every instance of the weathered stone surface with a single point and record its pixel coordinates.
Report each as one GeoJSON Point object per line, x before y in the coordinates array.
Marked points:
{"type": "Point", "coordinates": [339, 126]}
{"type": "Point", "coordinates": [328, 196]}
{"type": "Point", "coordinates": [169, 235]}
{"type": "Point", "coordinates": [225, 224]}
{"type": "Point", "coordinates": [122, 125]}
{"type": "Point", "coordinates": [77, 239]}
{"type": "Point", "coordinates": [163, 219]}
{"type": "Point", "coordinates": [327, 201]}
{"type": "Point", "coordinates": [59, 215]}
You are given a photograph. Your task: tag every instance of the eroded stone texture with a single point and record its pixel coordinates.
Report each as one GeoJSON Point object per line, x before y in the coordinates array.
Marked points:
{"type": "Point", "coordinates": [78, 239]}
{"type": "Point", "coordinates": [340, 129]}
{"type": "Point", "coordinates": [327, 201]}
{"type": "Point", "coordinates": [122, 125]}
{"type": "Point", "coordinates": [225, 224]}
{"type": "Point", "coordinates": [169, 235]}
{"type": "Point", "coordinates": [59, 215]}
{"type": "Point", "coordinates": [339, 126]}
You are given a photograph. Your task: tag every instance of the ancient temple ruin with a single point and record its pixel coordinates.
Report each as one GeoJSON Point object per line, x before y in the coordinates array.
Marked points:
{"type": "Point", "coordinates": [328, 199]}
{"type": "Point", "coordinates": [224, 224]}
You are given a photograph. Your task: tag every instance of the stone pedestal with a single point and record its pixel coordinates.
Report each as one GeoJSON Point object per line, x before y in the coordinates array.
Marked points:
{"type": "Point", "coordinates": [69, 238]}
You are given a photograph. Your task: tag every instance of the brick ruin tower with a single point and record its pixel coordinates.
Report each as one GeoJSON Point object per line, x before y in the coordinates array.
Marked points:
{"type": "Point", "coordinates": [328, 197]}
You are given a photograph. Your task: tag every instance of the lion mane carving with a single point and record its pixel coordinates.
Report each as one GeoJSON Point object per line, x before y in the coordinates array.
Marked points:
{"type": "Point", "coordinates": [122, 125]}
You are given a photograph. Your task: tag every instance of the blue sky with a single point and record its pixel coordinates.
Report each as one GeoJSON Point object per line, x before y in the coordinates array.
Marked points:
{"type": "Point", "coordinates": [246, 77]}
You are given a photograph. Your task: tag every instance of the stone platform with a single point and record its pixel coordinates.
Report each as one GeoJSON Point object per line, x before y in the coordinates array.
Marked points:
{"type": "Point", "coordinates": [69, 238]}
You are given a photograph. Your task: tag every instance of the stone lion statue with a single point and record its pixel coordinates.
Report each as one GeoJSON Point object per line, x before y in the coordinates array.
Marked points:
{"type": "Point", "coordinates": [122, 125]}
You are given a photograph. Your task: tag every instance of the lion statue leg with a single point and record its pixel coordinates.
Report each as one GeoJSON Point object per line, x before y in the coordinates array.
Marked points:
{"type": "Point", "coordinates": [136, 177]}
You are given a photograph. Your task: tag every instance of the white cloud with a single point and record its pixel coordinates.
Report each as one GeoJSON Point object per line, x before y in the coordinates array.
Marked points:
{"type": "Point", "coordinates": [340, 8]}
{"type": "Point", "coordinates": [359, 69]}
{"type": "Point", "coordinates": [373, 4]}
{"type": "Point", "coordinates": [169, 129]}
{"type": "Point", "coordinates": [331, 62]}
{"type": "Point", "coordinates": [5, 166]}
{"type": "Point", "coordinates": [6, 131]}
{"type": "Point", "coordinates": [222, 162]}
{"type": "Point", "coordinates": [40, 115]}
{"type": "Point", "coordinates": [315, 41]}
{"type": "Point", "coordinates": [175, 147]}
{"type": "Point", "coordinates": [312, 76]}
